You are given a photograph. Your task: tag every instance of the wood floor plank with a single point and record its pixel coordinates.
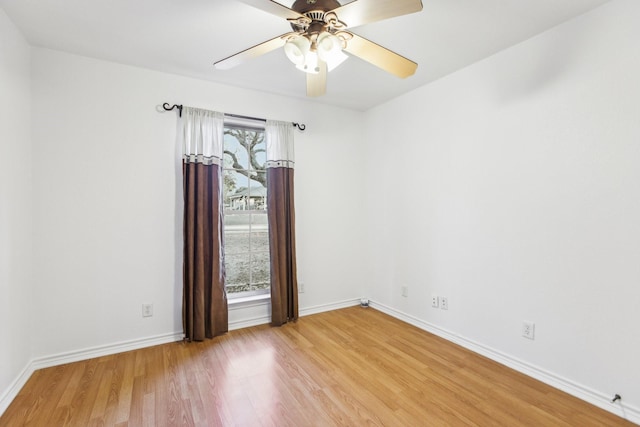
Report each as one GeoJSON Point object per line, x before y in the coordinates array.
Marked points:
{"type": "Point", "coordinates": [126, 365]}
{"type": "Point", "coordinates": [350, 367]}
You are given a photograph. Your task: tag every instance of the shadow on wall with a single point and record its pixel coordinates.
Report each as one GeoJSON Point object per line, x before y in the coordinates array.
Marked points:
{"type": "Point", "coordinates": [545, 64]}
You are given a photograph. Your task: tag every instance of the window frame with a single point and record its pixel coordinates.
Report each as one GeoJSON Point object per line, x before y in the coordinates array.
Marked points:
{"type": "Point", "coordinates": [243, 123]}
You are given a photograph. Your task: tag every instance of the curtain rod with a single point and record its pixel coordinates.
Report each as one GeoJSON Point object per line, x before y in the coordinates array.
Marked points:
{"type": "Point", "coordinates": [301, 127]}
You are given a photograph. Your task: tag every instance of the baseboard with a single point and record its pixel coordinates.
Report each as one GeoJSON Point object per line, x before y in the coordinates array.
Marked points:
{"type": "Point", "coordinates": [104, 350]}
{"type": "Point", "coordinates": [15, 387]}
{"type": "Point", "coordinates": [307, 311]}
{"type": "Point", "coordinates": [247, 323]}
{"type": "Point", "coordinates": [250, 306]}
{"type": "Point", "coordinates": [77, 355]}
{"type": "Point", "coordinates": [626, 411]}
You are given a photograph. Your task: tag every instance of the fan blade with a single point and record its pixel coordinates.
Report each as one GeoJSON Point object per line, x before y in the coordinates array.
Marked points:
{"type": "Point", "coordinates": [252, 52]}
{"type": "Point", "coordinates": [317, 83]}
{"type": "Point", "coordinates": [361, 12]}
{"type": "Point", "coordinates": [381, 57]}
{"type": "Point", "coordinates": [273, 8]}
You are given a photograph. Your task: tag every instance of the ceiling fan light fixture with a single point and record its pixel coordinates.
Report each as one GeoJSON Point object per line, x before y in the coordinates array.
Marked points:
{"type": "Point", "coordinates": [329, 47]}
{"type": "Point", "coordinates": [320, 39]}
{"type": "Point", "coordinates": [310, 64]}
{"type": "Point", "coordinates": [297, 50]}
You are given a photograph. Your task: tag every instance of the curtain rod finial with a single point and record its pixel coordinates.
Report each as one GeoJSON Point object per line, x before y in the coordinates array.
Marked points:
{"type": "Point", "coordinates": [168, 107]}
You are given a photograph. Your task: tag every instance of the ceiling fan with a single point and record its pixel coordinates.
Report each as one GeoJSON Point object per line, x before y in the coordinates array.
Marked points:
{"type": "Point", "coordinates": [320, 37]}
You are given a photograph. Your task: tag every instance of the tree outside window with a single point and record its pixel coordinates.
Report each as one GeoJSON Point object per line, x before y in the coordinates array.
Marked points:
{"type": "Point", "coordinates": [246, 234]}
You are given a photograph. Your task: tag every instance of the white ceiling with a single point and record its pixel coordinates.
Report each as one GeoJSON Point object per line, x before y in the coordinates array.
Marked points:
{"type": "Point", "coordinates": [186, 36]}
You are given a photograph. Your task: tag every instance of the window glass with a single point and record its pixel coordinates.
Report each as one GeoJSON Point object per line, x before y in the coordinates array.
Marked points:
{"type": "Point", "coordinates": [246, 233]}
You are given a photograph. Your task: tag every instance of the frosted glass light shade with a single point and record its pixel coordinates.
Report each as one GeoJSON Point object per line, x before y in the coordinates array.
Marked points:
{"type": "Point", "coordinates": [328, 45]}
{"type": "Point", "coordinates": [330, 50]}
{"type": "Point", "coordinates": [310, 64]}
{"type": "Point", "coordinates": [296, 50]}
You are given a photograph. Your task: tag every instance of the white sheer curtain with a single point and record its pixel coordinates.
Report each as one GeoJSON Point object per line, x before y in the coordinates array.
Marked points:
{"type": "Point", "coordinates": [202, 135]}
{"type": "Point", "coordinates": [279, 136]}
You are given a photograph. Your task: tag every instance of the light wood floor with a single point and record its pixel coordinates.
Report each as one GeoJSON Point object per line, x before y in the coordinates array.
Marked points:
{"type": "Point", "coordinates": [347, 367]}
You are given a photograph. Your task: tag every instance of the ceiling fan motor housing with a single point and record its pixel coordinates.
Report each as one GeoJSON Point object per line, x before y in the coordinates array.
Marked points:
{"type": "Point", "coordinates": [318, 17]}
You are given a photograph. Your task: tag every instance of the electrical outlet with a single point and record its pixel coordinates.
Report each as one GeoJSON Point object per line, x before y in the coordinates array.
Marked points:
{"type": "Point", "coordinates": [444, 303]}
{"type": "Point", "coordinates": [405, 291]}
{"type": "Point", "coordinates": [528, 330]}
{"type": "Point", "coordinates": [434, 301]}
{"type": "Point", "coordinates": [147, 310]}
{"type": "Point", "coordinates": [301, 287]}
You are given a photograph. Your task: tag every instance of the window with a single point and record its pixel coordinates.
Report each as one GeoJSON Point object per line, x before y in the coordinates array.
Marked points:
{"type": "Point", "coordinates": [246, 231]}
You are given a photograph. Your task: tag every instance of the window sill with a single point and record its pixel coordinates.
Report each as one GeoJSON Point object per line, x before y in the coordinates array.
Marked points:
{"type": "Point", "coordinates": [248, 300]}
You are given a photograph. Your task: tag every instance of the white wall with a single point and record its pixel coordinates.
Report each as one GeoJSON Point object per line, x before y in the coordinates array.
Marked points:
{"type": "Point", "coordinates": [513, 188]}
{"type": "Point", "coordinates": [106, 190]}
{"type": "Point", "coordinates": [15, 207]}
